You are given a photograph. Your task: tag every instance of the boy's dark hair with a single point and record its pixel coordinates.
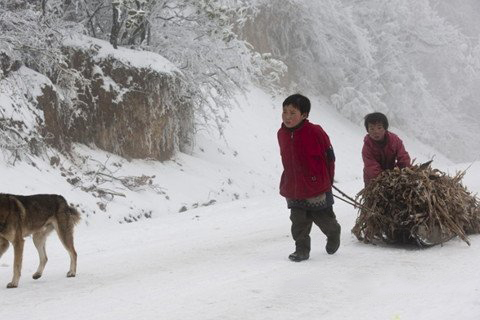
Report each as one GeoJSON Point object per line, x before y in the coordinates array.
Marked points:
{"type": "Point", "coordinates": [298, 101]}
{"type": "Point", "coordinates": [376, 117]}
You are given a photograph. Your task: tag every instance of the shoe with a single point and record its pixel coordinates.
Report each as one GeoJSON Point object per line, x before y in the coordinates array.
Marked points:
{"type": "Point", "coordinates": [297, 257]}
{"type": "Point", "coordinates": [333, 242]}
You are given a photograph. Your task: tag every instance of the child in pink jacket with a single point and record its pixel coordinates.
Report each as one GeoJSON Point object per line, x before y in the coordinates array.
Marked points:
{"type": "Point", "coordinates": [382, 149]}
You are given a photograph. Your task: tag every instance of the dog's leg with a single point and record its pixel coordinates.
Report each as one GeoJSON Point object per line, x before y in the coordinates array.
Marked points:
{"type": "Point", "coordinates": [65, 233]}
{"type": "Point", "coordinates": [39, 240]}
{"type": "Point", "coordinates": [3, 246]}
{"type": "Point", "coordinates": [17, 261]}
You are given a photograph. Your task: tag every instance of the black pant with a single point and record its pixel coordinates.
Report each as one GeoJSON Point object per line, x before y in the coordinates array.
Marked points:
{"type": "Point", "coordinates": [302, 220]}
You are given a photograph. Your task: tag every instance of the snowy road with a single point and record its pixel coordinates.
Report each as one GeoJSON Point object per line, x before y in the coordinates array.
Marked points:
{"type": "Point", "coordinates": [229, 261]}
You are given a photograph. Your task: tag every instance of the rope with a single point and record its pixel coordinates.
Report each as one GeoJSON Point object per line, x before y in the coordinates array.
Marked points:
{"type": "Point", "coordinates": [340, 198]}
{"type": "Point", "coordinates": [346, 196]}
{"type": "Point", "coordinates": [352, 201]}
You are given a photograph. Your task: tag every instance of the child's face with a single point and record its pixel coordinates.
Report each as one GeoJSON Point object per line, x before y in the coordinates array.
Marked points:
{"type": "Point", "coordinates": [291, 116]}
{"type": "Point", "coordinates": [376, 131]}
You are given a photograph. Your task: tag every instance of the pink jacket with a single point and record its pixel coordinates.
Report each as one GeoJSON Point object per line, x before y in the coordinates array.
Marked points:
{"type": "Point", "coordinates": [380, 156]}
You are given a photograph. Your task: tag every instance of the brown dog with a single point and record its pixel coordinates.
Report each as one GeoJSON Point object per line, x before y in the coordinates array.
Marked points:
{"type": "Point", "coordinates": [36, 215]}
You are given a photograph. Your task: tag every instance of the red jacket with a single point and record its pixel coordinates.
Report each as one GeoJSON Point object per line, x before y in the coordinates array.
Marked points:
{"type": "Point", "coordinates": [308, 161]}
{"type": "Point", "coordinates": [380, 156]}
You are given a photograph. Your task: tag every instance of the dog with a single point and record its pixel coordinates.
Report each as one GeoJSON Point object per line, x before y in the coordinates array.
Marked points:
{"type": "Point", "coordinates": [36, 215]}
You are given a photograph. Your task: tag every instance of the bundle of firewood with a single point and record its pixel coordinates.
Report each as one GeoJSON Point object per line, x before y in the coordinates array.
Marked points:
{"type": "Point", "coordinates": [416, 204]}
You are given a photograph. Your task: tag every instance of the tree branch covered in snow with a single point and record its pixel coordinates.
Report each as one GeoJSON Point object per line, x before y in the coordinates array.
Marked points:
{"type": "Point", "coordinates": [199, 36]}
{"type": "Point", "coordinates": [34, 36]}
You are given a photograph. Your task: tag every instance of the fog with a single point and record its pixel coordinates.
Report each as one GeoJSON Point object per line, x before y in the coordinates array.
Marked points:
{"type": "Point", "coordinates": [418, 61]}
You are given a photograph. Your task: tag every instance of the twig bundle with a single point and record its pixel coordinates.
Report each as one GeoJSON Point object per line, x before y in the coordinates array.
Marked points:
{"type": "Point", "coordinates": [417, 202]}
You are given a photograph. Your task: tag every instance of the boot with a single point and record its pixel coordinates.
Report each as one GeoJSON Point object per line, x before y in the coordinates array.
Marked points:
{"type": "Point", "coordinates": [298, 256]}
{"type": "Point", "coordinates": [333, 242]}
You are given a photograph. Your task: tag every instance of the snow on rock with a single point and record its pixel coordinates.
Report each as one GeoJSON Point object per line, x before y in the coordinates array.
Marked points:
{"type": "Point", "coordinates": [129, 103]}
{"type": "Point", "coordinates": [137, 59]}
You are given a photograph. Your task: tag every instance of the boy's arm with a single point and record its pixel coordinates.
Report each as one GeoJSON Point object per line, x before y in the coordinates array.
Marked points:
{"type": "Point", "coordinates": [329, 157]}
{"type": "Point", "coordinates": [330, 163]}
{"type": "Point", "coordinates": [329, 154]}
{"type": "Point", "coordinates": [371, 167]}
{"type": "Point", "coordinates": [403, 158]}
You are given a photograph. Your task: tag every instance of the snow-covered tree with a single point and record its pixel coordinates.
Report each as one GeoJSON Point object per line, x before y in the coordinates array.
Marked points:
{"type": "Point", "coordinates": [199, 37]}
{"type": "Point", "coordinates": [398, 57]}
{"type": "Point", "coordinates": [33, 32]}
{"type": "Point", "coordinates": [424, 70]}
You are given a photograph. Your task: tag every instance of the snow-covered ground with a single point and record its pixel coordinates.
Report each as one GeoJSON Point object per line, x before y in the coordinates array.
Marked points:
{"type": "Point", "coordinates": [227, 259]}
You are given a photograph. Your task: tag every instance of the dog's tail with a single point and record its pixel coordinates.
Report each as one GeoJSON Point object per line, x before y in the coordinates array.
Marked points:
{"type": "Point", "coordinates": [73, 214]}
{"type": "Point", "coordinates": [67, 211]}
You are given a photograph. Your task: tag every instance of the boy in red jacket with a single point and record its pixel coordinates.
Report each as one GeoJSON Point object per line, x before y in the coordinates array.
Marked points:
{"type": "Point", "coordinates": [382, 149]}
{"type": "Point", "coordinates": [308, 170]}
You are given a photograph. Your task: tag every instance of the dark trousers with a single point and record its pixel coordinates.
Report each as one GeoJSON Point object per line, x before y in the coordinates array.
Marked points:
{"type": "Point", "coordinates": [302, 221]}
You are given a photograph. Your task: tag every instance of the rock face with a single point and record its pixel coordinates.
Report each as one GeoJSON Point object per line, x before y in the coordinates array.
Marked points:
{"type": "Point", "coordinates": [132, 111]}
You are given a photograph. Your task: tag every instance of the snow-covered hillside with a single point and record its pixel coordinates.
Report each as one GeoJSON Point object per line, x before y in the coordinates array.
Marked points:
{"type": "Point", "coordinates": [224, 256]}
